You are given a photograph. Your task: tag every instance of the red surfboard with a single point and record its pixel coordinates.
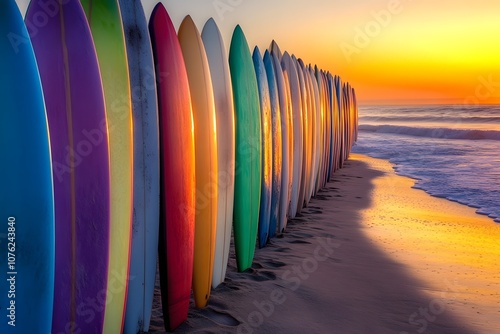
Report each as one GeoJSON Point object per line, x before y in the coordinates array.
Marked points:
{"type": "Point", "coordinates": [177, 171]}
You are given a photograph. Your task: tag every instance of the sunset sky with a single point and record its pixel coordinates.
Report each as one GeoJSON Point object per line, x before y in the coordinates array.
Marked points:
{"type": "Point", "coordinates": [392, 52]}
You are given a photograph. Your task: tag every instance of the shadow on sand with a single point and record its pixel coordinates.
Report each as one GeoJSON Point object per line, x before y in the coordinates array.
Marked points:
{"type": "Point", "coordinates": [323, 275]}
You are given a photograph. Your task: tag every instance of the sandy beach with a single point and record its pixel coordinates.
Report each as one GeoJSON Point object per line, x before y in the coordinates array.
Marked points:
{"type": "Point", "coordinates": [369, 255]}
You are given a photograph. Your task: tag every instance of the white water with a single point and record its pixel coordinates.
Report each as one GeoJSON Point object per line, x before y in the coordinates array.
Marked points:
{"type": "Point", "coordinates": [452, 151]}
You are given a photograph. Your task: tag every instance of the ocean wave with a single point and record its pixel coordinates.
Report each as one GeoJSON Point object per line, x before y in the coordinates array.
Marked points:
{"type": "Point", "coordinates": [426, 118]}
{"type": "Point", "coordinates": [443, 133]}
{"type": "Point", "coordinates": [443, 109]}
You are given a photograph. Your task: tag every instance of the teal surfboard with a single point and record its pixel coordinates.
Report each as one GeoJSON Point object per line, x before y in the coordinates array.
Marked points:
{"type": "Point", "coordinates": [26, 197]}
{"type": "Point", "coordinates": [248, 150]}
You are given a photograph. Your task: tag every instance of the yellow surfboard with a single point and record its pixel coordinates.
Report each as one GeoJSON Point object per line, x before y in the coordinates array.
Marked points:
{"type": "Point", "coordinates": [107, 30]}
{"type": "Point", "coordinates": [205, 142]}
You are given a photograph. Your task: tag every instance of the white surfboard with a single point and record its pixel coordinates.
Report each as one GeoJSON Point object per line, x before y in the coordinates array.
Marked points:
{"type": "Point", "coordinates": [224, 110]}
{"type": "Point", "coordinates": [291, 72]}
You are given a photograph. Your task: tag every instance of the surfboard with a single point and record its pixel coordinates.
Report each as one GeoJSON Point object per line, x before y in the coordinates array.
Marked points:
{"type": "Point", "coordinates": [356, 115]}
{"type": "Point", "coordinates": [291, 72]}
{"type": "Point", "coordinates": [352, 117]}
{"type": "Point", "coordinates": [326, 114]}
{"type": "Point", "coordinates": [336, 112]}
{"type": "Point", "coordinates": [343, 124]}
{"type": "Point", "coordinates": [107, 31]}
{"type": "Point", "coordinates": [304, 175]}
{"type": "Point", "coordinates": [331, 112]}
{"type": "Point", "coordinates": [267, 146]}
{"type": "Point", "coordinates": [318, 131]}
{"type": "Point", "coordinates": [71, 81]}
{"type": "Point", "coordinates": [349, 120]}
{"type": "Point", "coordinates": [146, 214]}
{"type": "Point", "coordinates": [335, 139]}
{"type": "Point", "coordinates": [311, 112]}
{"type": "Point", "coordinates": [275, 49]}
{"type": "Point", "coordinates": [330, 126]}
{"type": "Point", "coordinates": [205, 135]}
{"type": "Point", "coordinates": [345, 107]}
{"type": "Point", "coordinates": [320, 77]}
{"type": "Point", "coordinates": [223, 98]}
{"type": "Point", "coordinates": [277, 145]}
{"type": "Point", "coordinates": [26, 199]}
{"type": "Point", "coordinates": [177, 171]}
{"type": "Point", "coordinates": [248, 148]}
{"type": "Point", "coordinates": [287, 144]}
{"type": "Point", "coordinates": [314, 134]}
{"type": "Point", "coordinates": [320, 124]}
{"type": "Point", "coordinates": [291, 148]}
{"type": "Point", "coordinates": [330, 133]}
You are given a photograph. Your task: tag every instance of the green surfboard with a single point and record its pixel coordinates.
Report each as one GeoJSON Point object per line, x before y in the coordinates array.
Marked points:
{"type": "Point", "coordinates": [248, 150]}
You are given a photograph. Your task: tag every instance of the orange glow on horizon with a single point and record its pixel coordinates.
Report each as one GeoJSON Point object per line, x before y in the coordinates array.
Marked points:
{"type": "Point", "coordinates": [426, 53]}
{"type": "Point", "coordinates": [391, 51]}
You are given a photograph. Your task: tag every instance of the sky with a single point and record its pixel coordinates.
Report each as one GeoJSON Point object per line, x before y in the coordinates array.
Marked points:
{"type": "Point", "coordinates": [391, 51]}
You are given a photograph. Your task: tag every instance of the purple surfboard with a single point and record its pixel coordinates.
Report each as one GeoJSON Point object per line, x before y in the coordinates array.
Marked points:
{"type": "Point", "coordinates": [74, 99]}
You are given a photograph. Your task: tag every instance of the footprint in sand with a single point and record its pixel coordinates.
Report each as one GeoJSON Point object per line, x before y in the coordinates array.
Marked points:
{"type": "Point", "coordinates": [275, 264]}
{"type": "Point", "coordinates": [219, 317]}
{"type": "Point", "coordinates": [257, 265]}
{"type": "Point", "coordinates": [300, 242]}
{"type": "Point", "coordinates": [323, 197]}
{"type": "Point", "coordinates": [260, 275]}
{"type": "Point", "coordinates": [302, 235]}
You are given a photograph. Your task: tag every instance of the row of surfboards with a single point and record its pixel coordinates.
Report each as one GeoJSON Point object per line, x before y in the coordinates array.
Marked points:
{"type": "Point", "coordinates": [124, 142]}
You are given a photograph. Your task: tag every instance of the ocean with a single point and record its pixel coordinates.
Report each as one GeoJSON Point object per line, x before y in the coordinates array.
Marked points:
{"type": "Point", "coordinates": [451, 151]}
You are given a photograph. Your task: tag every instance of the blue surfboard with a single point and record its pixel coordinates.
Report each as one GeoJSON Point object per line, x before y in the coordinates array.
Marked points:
{"type": "Point", "coordinates": [26, 188]}
{"type": "Point", "coordinates": [278, 164]}
{"type": "Point", "coordinates": [146, 195]}
{"type": "Point", "coordinates": [267, 146]}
